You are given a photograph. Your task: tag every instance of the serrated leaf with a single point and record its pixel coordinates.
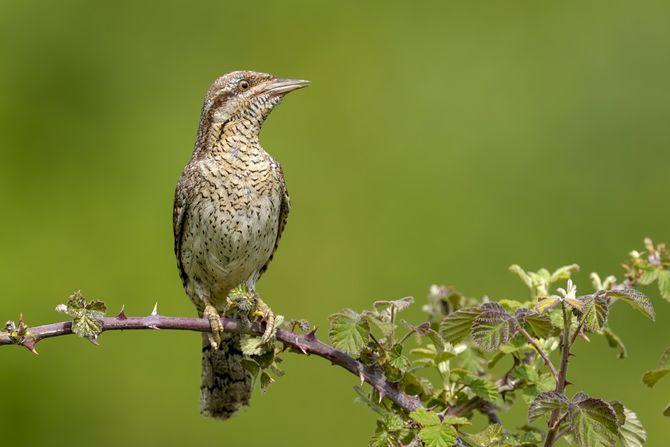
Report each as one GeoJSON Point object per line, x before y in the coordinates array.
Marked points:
{"type": "Point", "coordinates": [651, 377]}
{"type": "Point", "coordinates": [632, 433]}
{"type": "Point", "coordinates": [442, 435]}
{"type": "Point", "coordinates": [96, 308]}
{"type": "Point", "coordinates": [593, 422]}
{"type": "Point", "coordinates": [393, 422]}
{"type": "Point", "coordinates": [483, 388]}
{"type": "Point", "coordinates": [664, 284]}
{"type": "Point", "coordinates": [458, 325]}
{"type": "Point", "coordinates": [636, 299]}
{"type": "Point", "coordinates": [86, 326]}
{"type": "Point", "coordinates": [545, 303]}
{"type": "Point", "coordinates": [384, 307]}
{"type": "Point", "coordinates": [424, 417]}
{"type": "Point", "coordinates": [545, 403]}
{"type": "Point", "coordinates": [539, 324]}
{"type": "Point", "coordinates": [594, 312]}
{"type": "Point", "coordinates": [493, 327]}
{"type": "Point", "coordinates": [349, 331]}
{"type": "Point", "coordinates": [251, 345]}
{"type": "Point", "coordinates": [382, 438]}
{"type": "Point", "coordinates": [614, 341]}
{"type": "Point", "coordinates": [397, 360]}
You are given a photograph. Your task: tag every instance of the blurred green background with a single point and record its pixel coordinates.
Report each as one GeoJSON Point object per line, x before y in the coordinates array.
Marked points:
{"type": "Point", "coordinates": [440, 142]}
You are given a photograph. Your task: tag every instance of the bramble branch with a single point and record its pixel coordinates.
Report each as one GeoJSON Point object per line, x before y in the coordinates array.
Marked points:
{"type": "Point", "coordinates": [305, 343]}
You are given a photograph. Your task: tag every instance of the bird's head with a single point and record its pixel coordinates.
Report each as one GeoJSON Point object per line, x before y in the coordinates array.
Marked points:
{"type": "Point", "coordinates": [245, 97]}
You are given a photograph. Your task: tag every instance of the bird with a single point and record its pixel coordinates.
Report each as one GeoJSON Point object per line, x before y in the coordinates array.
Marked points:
{"type": "Point", "coordinates": [230, 209]}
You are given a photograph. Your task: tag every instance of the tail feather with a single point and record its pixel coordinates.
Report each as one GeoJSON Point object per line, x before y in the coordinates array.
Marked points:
{"type": "Point", "coordinates": [225, 385]}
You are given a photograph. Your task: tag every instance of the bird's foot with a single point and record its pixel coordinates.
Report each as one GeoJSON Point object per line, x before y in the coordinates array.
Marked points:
{"type": "Point", "coordinates": [263, 312]}
{"type": "Point", "coordinates": [216, 324]}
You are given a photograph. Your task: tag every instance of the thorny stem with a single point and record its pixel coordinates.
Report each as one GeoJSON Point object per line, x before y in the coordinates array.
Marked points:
{"type": "Point", "coordinates": [542, 354]}
{"type": "Point", "coordinates": [554, 421]}
{"type": "Point", "coordinates": [306, 343]}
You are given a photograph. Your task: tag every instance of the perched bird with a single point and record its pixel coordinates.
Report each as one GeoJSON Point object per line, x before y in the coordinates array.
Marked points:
{"type": "Point", "coordinates": [230, 209]}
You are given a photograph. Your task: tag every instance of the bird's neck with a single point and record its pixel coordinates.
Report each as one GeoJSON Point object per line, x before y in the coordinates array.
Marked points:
{"type": "Point", "coordinates": [240, 135]}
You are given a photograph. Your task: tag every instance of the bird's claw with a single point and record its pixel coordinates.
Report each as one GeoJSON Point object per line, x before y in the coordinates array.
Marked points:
{"type": "Point", "coordinates": [216, 324]}
{"type": "Point", "coordinates": [263, 311]}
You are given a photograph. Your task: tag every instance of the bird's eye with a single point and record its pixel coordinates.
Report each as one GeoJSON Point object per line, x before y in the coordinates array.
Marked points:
{"type": "Point", "coordinates": [243, 85]}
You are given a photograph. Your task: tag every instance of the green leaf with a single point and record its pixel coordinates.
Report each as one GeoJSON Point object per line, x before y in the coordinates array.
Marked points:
{"type": "Point", "coordinates": [664, 284]}
{"type": "Point", "coordinates": [251, 345]}
{"type": "Point", "coordinates": [455, 420]}
{"type": "Point", "coordinates": [593, 422]}
{"type": "Point", "coordinates": [393, 422]}
{"type": "Point", "coordinates": [84, 315]}
{"type": "Point", "coordinates": [637, 300]}
{"type": "Point", "coordinates": [383, 438]}
{"type": "Point", "coordinates": [397, 360]}
{"type": "Point", "coordinates": [483, 388]}
{"type": "Point", "coordinates": [545, 303]}
{"type": "Point", "coordinates": [648, 277]}
{"type": "Point", "coordinates": [563, 273]}
{"type": "Point", "coordinates": [442, 435]}
{"type": "Point", "coordinates": [86, 326]}
{"type": "Point", "coordinates": [424, 417]}
{"type": "Point", "coordinates": [349, 331]}
{"type": "Point", "coordinates": [632, 433]}
{"type": "Point", "coordinates": [491, 436]}
{"type": "Point", "coordinates": [386, 308]}
{"type": "Point", "coordinates": [539, 324]}
{"type": "Point", "coordinates": [458, 325]}
{"type": "Point", "coordinates": [651, 377]}
{"type": "Point", "coordinates": [594, 312]}
{"type": "Point", "coordinates": [385, 327]}
{"type": "Point", "coordinates": [266, 381]}
{"type": "Point", "coordinates": [493, 327]}
{"type": "Point", "coordinates": [614, 341]}
{"type": "Point", "coordinates": [545, 403]}
{"type": "Point", "coordinates": [521, 273]}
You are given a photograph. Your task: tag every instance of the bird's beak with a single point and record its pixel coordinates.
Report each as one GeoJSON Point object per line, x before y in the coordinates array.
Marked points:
{"type": "Point", "coordinates": [283, 86]}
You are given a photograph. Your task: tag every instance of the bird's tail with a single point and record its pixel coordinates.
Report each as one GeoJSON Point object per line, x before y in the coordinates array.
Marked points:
{"type": "Point", "coordinates": [225, 386]}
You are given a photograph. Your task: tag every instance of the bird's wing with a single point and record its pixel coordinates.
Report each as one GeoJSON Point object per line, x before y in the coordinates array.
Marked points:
{"type": "Point", "coordinates": [179, 212]}
{"type": "Point", "coordinates": [284, 208]}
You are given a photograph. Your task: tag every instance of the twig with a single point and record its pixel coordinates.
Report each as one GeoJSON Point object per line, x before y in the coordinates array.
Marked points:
{"type": "Point", "coordinates": [562, 376]}
{"type": "Point", "coordinates": [305, 343]}
{"type": "Point", "coordinates": [542, 354]}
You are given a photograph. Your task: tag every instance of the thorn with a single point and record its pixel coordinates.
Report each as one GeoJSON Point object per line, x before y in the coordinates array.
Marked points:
{"type": "Point", "coordinates": [30, 345]}
{"type": "Point", "coordinates": [122, 313]}
{"type": "Point", "coordinates": [381, 396]}
{"type": "Point", "coordinates": [311, 335]}
{"type": "Point", "coordinates": [154, 313]}
{"type": "Point", "coordinates": [362, 377]}
{"type": "Point", "coordinates": [93, 340]}
{"type": "Point", "coordinates": [572, 355]}
{"type": "Point", "coordinates": [153, 326]}
{"type": "Point", "coordinates": [567, 382]}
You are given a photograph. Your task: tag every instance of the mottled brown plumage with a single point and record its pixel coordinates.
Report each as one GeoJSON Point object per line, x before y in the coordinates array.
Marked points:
{"type": "Point", "coordinates": [230, 209]}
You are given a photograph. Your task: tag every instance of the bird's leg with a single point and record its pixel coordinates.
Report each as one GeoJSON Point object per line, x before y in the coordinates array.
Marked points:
{"type": "Point", "coordinates": [215, 323]}
{"type": "Point", "coordinates": [263, 311]}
